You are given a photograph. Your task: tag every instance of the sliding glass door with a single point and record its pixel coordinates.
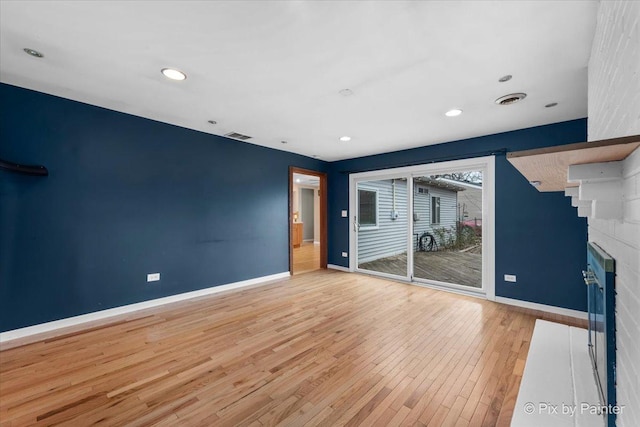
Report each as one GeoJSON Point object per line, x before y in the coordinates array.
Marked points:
{"type": "Point", "coordinates": [382, 226]}
{"type": "Point", "coordinates": [430, 224]}
{"type": "Point", "coordinates": [447, 223]}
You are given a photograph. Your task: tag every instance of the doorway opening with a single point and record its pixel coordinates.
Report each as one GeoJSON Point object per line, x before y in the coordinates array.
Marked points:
{"type": "Point", "coordinates": [308, 220]}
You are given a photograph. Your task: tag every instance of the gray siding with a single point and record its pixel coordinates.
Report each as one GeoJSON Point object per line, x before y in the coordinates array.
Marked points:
{"type": "Point", "coordinates": [422, 206]}
{"type": "Point", "coordinates": [391, 235]}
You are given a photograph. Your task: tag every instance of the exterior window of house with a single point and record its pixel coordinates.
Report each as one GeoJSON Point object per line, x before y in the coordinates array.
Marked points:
{"type": "Point", "coordinates": [367, 208]}
{"type": "Point", "coordinates": [435, 210]}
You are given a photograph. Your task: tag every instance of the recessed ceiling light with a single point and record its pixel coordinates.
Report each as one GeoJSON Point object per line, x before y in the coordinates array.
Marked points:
{"type": "Point", "coordinates": [212, 122]}
{"type": "Point", "coordinates": [553, 104]}
{"type": "Point", "coordinates": [512, 98]}
{"type": "Point", "coordinates": [173, 74]}
{"type": "Point", "coordinates": [33, 52]}
{"type": "Point", "coordinates": [505, 78]}
{"type": "Point", "coordinates": [453, 113]}
{"type": "Point", "coordinates": [346, 92]}
{"type": "Point", "coordinates": [297, 179]}
{"type": "Point", "coordinates": [345, 138]}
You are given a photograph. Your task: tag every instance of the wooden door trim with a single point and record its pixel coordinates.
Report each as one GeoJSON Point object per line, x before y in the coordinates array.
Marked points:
{"type": "Point", "coordinates": [323, 214]}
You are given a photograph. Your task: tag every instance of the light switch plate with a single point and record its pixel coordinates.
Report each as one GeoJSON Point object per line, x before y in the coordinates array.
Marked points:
{"type": "Point", "coordinates": [345, 255]}
{"type": "Point", "coordinates": [510, 278]}
{"type": "Point", "coordinates": [344, 213]}
{"type": "Point", "coordinates": [153, 277]}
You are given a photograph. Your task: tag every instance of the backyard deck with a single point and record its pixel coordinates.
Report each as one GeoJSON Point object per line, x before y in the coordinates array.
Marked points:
{"type": "Point", "coordinates": [462, 268]}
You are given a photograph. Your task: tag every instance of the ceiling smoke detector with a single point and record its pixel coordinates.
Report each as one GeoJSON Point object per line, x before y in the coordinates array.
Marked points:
{"type": "Point", "coordinates": [512, 98]}
{"type": "Point", "coordinates": [505, 78]}
{"type": "Point", "coordinates": [236, 135]}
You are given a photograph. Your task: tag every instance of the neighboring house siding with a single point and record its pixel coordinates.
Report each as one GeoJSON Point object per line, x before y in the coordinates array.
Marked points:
{"type": "Point", "coordinates": [422, 206]}
{"type": "Point", "coordinates": [470, 199]}
{"type": "Point", "coordinates": [391, 235]}
{"type": "Point", "coordinates": [614, 103]}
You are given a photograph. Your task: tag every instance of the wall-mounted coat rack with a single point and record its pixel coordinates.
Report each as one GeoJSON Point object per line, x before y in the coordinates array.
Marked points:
{"type": "Point", "coordinates": [24, 169]}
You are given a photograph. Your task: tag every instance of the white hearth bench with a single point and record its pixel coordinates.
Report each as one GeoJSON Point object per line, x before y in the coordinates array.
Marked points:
{"type": "Point", "coordinates": [558, 386]}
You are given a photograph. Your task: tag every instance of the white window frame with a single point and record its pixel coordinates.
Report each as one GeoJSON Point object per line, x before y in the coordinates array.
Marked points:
{"type": "Point", "coordinates": [434, 211]}
{"type": "Point", "coordinates": [369, 226]}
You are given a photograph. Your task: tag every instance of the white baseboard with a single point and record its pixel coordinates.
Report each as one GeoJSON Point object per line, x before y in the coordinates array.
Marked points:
{"type": "Point", "coordinates": [543, 307]}
{"type": "Point", "coordinates": [6, 337]}
{"type": "Point", "coordinates": [338, 267]}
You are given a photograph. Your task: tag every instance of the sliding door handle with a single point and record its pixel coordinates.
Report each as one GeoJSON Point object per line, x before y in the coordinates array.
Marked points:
{"type": "Point", "coordinates": [589, 277]}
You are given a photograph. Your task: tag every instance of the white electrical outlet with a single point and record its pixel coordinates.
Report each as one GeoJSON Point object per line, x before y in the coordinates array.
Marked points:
{"type": "Point", "coordinates": [510, 278]}
{"type": "Point", "coordinates": [153, 277]}
{"type": "Point", "coordinates": [345, 255]}
{"type": "Point", "coordinates": [344, 213]}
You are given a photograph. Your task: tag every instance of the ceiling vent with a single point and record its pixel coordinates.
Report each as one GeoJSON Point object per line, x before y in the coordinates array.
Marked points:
{"type": "Point", "coordinates": [236, 135]}
{"type": "Point", "coordinates": [512, 98]}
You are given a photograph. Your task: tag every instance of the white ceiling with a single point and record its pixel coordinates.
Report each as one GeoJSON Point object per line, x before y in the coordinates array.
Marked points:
{"type": "Point", "coordinates": [273, 69]}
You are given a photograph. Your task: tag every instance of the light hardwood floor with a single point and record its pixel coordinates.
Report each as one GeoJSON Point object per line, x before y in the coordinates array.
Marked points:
{"type": "Point", "coordinates": [306, 258]}
{"type": "Point", "coordinates": [324, 348]}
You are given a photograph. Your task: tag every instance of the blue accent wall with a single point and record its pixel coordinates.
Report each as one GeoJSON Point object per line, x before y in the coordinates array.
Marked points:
{"type": "Point", "coordinates": [539, 236]}
{"type": "Point", "coordinates": [127, 196]}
